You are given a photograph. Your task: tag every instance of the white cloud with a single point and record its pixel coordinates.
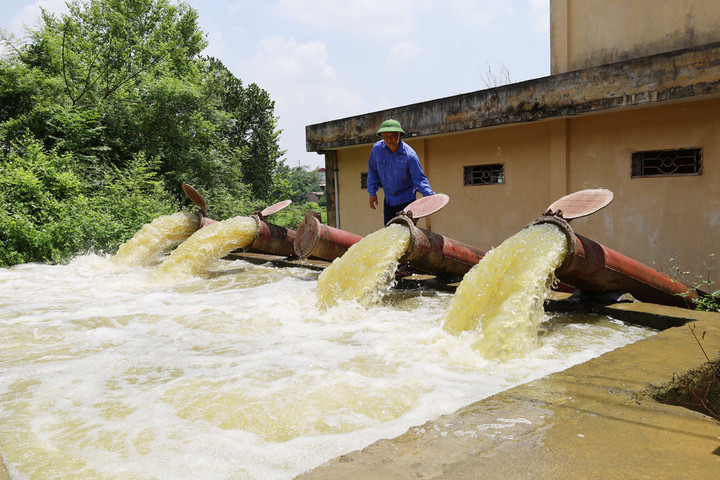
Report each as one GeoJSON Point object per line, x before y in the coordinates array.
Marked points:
{"type": "Point", "coordinates": [471, 12]}
{"type": "Point", "coordinates": [376, 19]}
{"type": "Point", "coordinates": [30, 15]}
{"type": "Point", "coordinates": [305, 87]}
{"type": "Point", "coordinates": [401, 53]}
{"type": "Point", "coordinates": [236, 7]}
{"type": "Point", "coordinates": [216, 42]}
{"type": "Point", "coordinates": [478, 15]}
{"type": "Point", "coordinates": [280, 60]}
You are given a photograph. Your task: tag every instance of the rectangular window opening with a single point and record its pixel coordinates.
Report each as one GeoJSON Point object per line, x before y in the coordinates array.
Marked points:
{"type": "Point", "coordinates": [363, 181]}
{"type": "Point", "coordinates": [490, 174]}
{"type": "Point", "coordinates": [667, 163]}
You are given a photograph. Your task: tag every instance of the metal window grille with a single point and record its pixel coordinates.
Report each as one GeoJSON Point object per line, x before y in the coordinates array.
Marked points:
{"type": "Point", "coordinates": [363, 181]}
{"type": "Point", "coordinates": [666, 163]}
{"type": "Point", "coordinates": [490, 174]}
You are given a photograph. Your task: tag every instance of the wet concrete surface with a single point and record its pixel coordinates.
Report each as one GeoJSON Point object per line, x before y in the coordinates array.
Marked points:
{"type": "Point", "coordinates": [596, 420]}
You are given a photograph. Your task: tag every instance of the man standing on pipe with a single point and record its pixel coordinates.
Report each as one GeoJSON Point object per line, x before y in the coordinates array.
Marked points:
{"type": "Point", "coordinates": [395, 165]}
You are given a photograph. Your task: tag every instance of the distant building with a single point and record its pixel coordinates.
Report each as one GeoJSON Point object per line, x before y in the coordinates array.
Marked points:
{"type": "Point", "coordinates": [632, 105]}
{"type": "Point", "coordinates": [315, 196]}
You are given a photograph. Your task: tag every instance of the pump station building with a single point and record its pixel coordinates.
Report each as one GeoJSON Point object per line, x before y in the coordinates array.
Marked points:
{"type": "Point", "coordinates": [632, 105]}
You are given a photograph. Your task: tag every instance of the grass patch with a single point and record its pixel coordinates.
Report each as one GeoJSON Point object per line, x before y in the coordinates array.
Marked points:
{"type": "Point", "coordinates": [697, 389]}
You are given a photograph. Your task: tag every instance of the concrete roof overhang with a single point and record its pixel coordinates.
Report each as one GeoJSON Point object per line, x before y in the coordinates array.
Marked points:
{"type": "Point", "coordinates": [680, 75]}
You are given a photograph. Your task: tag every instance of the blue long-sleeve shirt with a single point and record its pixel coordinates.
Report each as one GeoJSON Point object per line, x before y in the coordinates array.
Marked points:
{"type": "Point", "coordinates": [399, 174]}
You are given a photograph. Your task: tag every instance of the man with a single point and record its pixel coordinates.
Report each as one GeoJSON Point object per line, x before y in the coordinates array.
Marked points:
{"type": "Point", "coordinates": [395, 165]}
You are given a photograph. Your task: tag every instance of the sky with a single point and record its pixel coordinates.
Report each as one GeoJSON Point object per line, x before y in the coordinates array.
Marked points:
{"type": "Point", "coordinates": [323, 60]}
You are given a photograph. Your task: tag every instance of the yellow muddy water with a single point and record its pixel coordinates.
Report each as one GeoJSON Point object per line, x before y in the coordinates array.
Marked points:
{"type": "Point", "coordinates": [365, 271]}
{"type": "Point", "coordinates": [207, 245]}
{"type": "Point", "coordinates": [501, 298]}
{"type": "Point", "coordinates": [148, 245]}
{"type": "Point", "coordinates": [116, 373]}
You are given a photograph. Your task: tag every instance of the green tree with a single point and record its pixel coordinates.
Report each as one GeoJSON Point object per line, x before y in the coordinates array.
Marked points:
{"type": "Point", "coordinates": [298, 181]}
{"type": "Point", "coordinates": [117, 89]}
{"type": "Point", "coordinates": [127, 77]}
{"type": "Point", "coordinates": [49, 212]}
{"type": "Point", "coordinates": [294, 184]}
{"type": "Point", "coordinates": [107, 46]}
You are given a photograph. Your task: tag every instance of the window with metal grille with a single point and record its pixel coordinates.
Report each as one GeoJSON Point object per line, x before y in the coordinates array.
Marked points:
{"type": "Point", "coordinates": [490, 174]}
{"type": "Point", "coordinates": [363, 181]}
{"type": "Point", "coordinates": [666, 163]}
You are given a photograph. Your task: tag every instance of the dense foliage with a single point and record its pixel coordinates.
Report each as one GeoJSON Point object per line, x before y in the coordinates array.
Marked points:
{"type": "Point", "coordinates": [49, 213]}
{"type": "Point", "coordinates": [295, 184]}
{"type": "Point", "coordinates": [105, 111]}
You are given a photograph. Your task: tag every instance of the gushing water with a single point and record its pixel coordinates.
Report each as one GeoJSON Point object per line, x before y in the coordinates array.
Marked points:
{"type": "Point", "coordinates": [149, 243]}
{"type": "Point", "coordinates": [366, 270]}
{"type": "Point", "coordinates": [501, 298]}
{"type": "Point", "coordinates": [207, 245]}
{"type": "Point", "coordinates": [107, 373]}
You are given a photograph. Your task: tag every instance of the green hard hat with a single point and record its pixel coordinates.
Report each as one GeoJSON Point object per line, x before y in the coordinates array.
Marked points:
{"type": "Point", "coordinates": [390, 126]}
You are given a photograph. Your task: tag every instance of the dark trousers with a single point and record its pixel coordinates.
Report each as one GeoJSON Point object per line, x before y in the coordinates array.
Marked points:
{"type": "Point", "coordinates": [391, 211]}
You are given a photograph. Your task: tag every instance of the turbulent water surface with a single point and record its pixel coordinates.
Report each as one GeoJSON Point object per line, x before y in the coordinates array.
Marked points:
{"type": "Point", "coordinates": [366, 269]}
{"type": "Point", "coordinates": [108, 373]}
{"type": "Point", "coordinates": [501, 298]}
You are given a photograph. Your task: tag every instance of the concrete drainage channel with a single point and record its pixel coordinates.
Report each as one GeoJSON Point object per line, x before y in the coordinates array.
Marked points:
{"type": "Point", "coordinates": [626, 414]}
{"type": "Point", "coordinates": [597, 420]}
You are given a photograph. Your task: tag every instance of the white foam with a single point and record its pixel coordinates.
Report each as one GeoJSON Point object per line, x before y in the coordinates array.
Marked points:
{"type": "Point", "coordinates": [239, 374]}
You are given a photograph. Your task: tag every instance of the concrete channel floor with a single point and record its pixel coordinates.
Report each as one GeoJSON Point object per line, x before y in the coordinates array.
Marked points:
{"type": "Point", "coordinates": [595, 420]}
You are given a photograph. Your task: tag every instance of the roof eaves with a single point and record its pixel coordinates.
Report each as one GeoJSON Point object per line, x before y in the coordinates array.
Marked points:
{"type": "Point", "coordinates": [669, 76]}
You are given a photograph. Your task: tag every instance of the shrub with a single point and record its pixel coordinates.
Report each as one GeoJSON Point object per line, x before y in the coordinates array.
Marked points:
{"type": "Point", "coordinates": [52, 207]}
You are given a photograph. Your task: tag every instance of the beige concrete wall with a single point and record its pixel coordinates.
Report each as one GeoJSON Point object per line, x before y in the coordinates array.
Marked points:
{"type": "Point", "coordinates": [586, 33]}
{"type": "Point", "coordinates": [651, 219]}
{"type": "Point", "coordinates": [480, 215]}
{"type": "Point", "coordinates": [355, 213]}
{"type": "Point", "coordinates": [356, 216]}
{"type": "Point", "coordinates": [485, 215]}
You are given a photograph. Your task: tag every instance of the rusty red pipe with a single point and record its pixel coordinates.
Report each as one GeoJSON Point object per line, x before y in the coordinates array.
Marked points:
{"type": "Point", "coordinates": [273, 239]}
{"type": "Point", "coordinates": [315, 239]}
{"type": "Point", "coordinates": [595, 268]}
{"type": "Point", "coordinates": [428, 251]}
{"type": "Point", "coordinates": [435, 253]}
{"type": "Point", "coordinates": [270, 239]}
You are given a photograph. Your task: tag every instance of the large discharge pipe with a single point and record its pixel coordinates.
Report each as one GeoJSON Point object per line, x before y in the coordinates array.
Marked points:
{"type": "Point", "coordinates": [315, 239]}
{"type": "Point", "coordinates": [429, 252]}
{"type": "Point", "coordinates": [595, 268]}
{"type": "Point", "coordinates": [272, 239]}
{"type": "Point", "coordinates": [435, 253]}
